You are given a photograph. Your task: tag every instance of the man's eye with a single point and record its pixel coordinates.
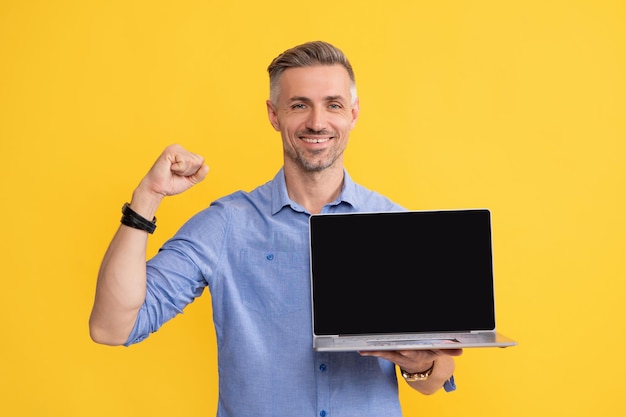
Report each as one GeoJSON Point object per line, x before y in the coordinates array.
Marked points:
{"type": "Point", "coordinates": [334, 106]}
{"type": "Point", "coordinates": [298, 106]}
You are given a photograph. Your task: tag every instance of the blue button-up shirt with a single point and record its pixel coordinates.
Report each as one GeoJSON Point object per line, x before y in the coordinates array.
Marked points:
{"type": "Point", "coordinates": [251, 250]}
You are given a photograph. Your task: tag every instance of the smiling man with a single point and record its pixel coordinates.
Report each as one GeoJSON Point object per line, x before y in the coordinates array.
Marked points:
{"type": "Point", "coordinates": [314, 113]}
{"type": "Point", "coordinates": [251, 250]}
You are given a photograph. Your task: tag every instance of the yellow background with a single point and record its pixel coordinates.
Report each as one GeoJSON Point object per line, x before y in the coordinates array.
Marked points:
{"type": "Point", "coordinates": [518, 106]}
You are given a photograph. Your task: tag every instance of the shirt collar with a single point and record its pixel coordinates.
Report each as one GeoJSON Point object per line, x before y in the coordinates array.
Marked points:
{"type": "Point", "coordinates": [280, 198]}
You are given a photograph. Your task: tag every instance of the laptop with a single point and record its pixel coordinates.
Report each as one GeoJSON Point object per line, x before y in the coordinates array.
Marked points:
{"type": "Point", "coordinates": [403, 280]}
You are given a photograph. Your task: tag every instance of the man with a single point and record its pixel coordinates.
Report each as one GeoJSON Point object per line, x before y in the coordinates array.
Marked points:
{"type": "Point", "coordinates": [251, 250]}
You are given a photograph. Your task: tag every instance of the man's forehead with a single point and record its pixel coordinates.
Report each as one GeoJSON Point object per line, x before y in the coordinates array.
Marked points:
{"type": "Point", "coordinates": [328, 80]}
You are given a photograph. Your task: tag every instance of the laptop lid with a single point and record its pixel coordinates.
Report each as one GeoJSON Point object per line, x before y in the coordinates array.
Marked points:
{"type": "Point", "coordinates": [391, 274]}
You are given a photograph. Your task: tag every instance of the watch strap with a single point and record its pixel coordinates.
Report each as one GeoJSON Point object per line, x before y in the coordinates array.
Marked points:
{"type": "Point", "coordinates": [417, 376]}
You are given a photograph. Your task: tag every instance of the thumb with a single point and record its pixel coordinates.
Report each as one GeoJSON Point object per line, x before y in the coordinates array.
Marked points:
{"type": "Point", "coordinates": [200, 174]}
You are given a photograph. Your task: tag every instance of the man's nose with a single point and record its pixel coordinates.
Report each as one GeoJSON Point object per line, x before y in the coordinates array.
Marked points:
{"type": "Point", "coordinates": [316, 120]}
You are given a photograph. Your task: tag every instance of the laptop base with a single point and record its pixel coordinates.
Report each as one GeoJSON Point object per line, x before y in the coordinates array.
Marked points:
{"type": "Point", "coordinates": [411, 342]}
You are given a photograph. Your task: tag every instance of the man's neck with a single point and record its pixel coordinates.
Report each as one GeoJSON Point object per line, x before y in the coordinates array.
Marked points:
{"type": "Point", "coordinates": [313, 190]}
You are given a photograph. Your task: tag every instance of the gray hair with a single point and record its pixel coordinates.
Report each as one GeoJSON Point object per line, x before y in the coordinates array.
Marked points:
{"type": "Point", "coordinates": [307, 55]}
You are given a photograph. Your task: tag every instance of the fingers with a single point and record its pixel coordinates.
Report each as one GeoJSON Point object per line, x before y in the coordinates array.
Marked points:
{"type": "Point", "coordinates": [200, 174]}
{"type": "Point", "coordinates": [435, 352]}
{"type": "Point", "coordinates": [407, 357]}
{"type": "Point", "coordinates": [184, 163]}
{"type": "Point", "coordinates": [175, 171]}
{"type": "Point", "coordinates": [452, 352]}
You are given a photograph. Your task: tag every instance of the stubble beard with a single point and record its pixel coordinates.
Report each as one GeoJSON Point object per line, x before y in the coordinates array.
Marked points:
{"type": "Point", "coordinates": [314, 161]}
{"type": "Point", "coordinates": [317, 160]}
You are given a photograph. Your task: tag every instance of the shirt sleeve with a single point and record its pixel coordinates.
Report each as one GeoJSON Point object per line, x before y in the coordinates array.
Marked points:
{"type": "Point", "coordinates": [178, 273]}
{"type": "Point", "coordinates": [450, 385]}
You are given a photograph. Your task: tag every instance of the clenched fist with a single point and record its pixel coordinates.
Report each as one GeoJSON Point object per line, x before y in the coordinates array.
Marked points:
{"type": "Point", "coordinates": [175, 171]}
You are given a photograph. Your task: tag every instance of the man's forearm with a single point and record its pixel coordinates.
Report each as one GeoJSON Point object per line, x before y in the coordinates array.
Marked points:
{"type": "Point", "coordinates": [121, 287]}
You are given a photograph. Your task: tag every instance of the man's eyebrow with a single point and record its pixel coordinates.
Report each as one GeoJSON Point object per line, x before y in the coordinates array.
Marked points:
{"type": "Point", "coordinates": [327, 98]}
{"type": "Point", "coordinates": [299, 98]}
{"type": "Point", "coordinates": [334, 98]}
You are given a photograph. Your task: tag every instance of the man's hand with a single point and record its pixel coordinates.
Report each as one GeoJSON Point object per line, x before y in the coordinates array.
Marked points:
{"type": "Point", "coordinates": [414, 361]}
{"type": "Point", "coordinates": [175, 171]}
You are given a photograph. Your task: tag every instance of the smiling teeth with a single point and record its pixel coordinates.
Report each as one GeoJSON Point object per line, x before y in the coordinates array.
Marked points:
{"type": "Point", "coordinates": [309, 140]}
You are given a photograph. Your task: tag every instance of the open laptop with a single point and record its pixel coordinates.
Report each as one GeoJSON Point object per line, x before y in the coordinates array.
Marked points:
{"type": "Point", "coordinates": [403, 280]}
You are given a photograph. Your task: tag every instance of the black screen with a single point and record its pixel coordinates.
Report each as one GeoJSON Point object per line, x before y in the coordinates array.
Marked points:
{"type": "Point", "coordinates": [416, 271]}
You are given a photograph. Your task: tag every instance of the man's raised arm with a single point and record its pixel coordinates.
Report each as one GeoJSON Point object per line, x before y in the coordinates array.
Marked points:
{"type": "Point", "coordinates": [121, 286]}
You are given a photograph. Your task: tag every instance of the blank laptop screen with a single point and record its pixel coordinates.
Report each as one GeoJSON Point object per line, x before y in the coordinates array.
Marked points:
{"type": "Point", "coordinates": [402, 272]}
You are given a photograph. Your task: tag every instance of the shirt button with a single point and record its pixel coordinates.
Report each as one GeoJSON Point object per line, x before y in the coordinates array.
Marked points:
{"type": "Point", "coordinates": [269, 256]}
{"type": "Point", "coordinates": [323, 413]}
{"type": "Point", "coordinates": [323, 367]}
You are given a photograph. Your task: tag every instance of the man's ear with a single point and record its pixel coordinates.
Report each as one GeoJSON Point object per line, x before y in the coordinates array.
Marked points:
{"type": "Point", "coordinates": [355, 112]}
{"type": "Point", "coordinates": [271, 114]}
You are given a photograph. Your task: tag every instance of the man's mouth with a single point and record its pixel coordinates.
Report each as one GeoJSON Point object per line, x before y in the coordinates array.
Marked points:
{"type": "Point", "coordinates": [315, 140]}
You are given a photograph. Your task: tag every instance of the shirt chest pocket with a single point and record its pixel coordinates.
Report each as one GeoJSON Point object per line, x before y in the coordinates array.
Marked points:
{"type": "Point", "coordinates": [274, 281]}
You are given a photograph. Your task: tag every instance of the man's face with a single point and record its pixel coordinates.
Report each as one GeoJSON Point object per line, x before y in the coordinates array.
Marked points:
{"type": "Point", "coordinates": [314, 115]}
